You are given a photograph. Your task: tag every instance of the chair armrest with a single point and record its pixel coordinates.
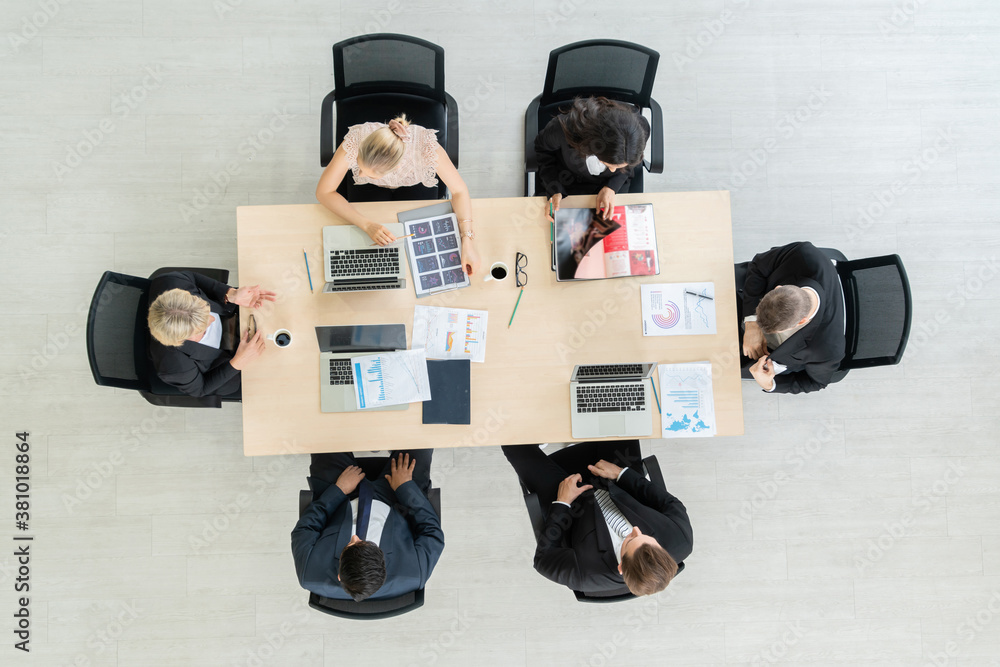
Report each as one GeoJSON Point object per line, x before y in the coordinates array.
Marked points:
{"type": "Point", "coordinates": [655, 164]}
{"type": "Point", "coordinates": [452, 106]}
{"type": "Point", "coordinates": [326, 147]}
{"type": "Point", "coordinates": [652, 467]}
{"type": "Point", "coordinates": [434, 498]}
{"type": "Point", "coordinates": [535, 514]}
{"type": "Point", "coordinates": [305, 498]}
{"type": "Point", "coordinates": [222, 275]}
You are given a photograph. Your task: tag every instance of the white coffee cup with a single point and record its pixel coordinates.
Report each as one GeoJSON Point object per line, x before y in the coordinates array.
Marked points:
{"type": "Point", "coordinates": [498, 271]}
{"type": "Point", "coordinates": [282, 338]}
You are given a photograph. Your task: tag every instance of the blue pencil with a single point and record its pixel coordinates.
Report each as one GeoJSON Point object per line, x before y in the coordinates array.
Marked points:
{"type": "Point", "coordinates": [308, 275]}
{"type": "Point", "coordinates": [658, 408]}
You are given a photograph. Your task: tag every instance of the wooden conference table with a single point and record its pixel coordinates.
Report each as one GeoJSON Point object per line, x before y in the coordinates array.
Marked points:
{"type": "Point", "coordinates": [521, 393]}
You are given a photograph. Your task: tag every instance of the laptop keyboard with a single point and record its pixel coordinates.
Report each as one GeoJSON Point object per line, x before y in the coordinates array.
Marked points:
{"type": "Point", "coordinates": [361, 288]}
{"type": "Point", "coordinates": [364, 262]}
{"type": "Point", "coordinates": [619, 397]}
{"type": "Point", "coordinates": [608, 370]}
{"type": "Point", "coordinates": [340, 372]}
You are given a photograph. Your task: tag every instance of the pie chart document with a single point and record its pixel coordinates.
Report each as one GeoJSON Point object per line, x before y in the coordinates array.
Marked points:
{"type": "Point", "coordinates": [678, 309]}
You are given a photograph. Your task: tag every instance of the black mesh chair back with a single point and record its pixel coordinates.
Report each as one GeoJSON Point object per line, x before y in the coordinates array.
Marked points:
{"type": "Point", "coordinates": [115, 347]}
{"type": "Point", "coordinates": [879, 310]}
{"type": "Point", "coordinates": [536, 514]}
{"type": "Point", "coordinates": [118, 339]}
{"type": "Point", "coordinates": [377, 78]}
{"type": "Point", "coordinates": [370, 610]}
{"type": "Point", "coordinates": [611, 68]}
{"type": "Point", "coordinates": [381, 62]}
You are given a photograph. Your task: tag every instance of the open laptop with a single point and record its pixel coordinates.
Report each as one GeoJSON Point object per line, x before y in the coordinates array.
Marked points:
{"type": "Point", "coordinates": [611, 399]}
{"type": "Point", "coordinates": [336, 347]}
{"type": "Point", "coordinates": [352, 264]}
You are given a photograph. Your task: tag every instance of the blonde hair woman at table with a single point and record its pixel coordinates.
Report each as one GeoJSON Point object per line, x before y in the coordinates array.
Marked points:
{"type": "Point", "coordinates": [394, 155]}
{"type": "Point", "coordinates": [189, 314]}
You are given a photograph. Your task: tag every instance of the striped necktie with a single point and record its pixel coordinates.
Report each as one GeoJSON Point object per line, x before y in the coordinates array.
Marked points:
{"type": "Point", "coordinates": [616, 520]}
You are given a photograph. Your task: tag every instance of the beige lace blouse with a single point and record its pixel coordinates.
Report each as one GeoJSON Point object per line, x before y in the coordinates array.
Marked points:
{"type": "Point", "coordinates": [419, 163]}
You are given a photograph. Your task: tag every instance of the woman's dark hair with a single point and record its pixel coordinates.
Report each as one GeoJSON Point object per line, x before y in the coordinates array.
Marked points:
{"type": "Point", "coordinates": [612, 131]}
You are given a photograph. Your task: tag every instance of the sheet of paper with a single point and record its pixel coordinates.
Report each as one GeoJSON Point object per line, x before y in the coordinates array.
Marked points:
{"type": "Point", "coordinates": [450, 333]}
{"type": "Point", "coordinates": [688, 405]}
{"type": "Point", "coordinates": [678, 309]}
{"type": "Point", "coordinates": [390, 378]}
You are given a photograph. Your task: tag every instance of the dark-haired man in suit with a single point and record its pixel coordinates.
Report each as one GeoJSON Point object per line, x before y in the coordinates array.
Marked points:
{"type": "Point", "coordinates": [617, 529]}
{"type": "Point", "coordinates": [791, 310]}
{"type": "Point", "coordinates": [360, 539]}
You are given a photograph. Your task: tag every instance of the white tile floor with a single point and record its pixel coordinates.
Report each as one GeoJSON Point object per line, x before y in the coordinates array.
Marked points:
{"type": "Point", "coordinates": [859, 525]}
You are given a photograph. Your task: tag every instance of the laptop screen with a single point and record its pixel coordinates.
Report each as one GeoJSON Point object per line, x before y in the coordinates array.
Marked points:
{"type": "Point", "coordinates": [362, 338]}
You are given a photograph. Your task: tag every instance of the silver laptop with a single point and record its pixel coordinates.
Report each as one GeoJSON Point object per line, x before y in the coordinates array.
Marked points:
{"type": "Point", "coordinates": [611, 399]}
{"type": "Point", "coordinates": [353, 264]}
{"type": "Point", "coordinates": [337, 345]}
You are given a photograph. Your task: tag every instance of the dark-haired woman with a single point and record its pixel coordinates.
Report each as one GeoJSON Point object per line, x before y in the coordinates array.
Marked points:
{"type": "Point", "coordinates": [590, 148]}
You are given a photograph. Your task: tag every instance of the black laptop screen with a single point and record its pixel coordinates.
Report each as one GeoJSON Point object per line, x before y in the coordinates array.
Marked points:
{"type": "Point", "coordinates": [362, 338]}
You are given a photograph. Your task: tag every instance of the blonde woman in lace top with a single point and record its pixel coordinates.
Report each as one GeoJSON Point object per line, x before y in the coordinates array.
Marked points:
{"type": "Point", "coordinates": [396, 155]}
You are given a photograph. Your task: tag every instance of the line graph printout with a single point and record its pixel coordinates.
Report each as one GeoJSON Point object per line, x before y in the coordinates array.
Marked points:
{"type": "Point", "coordinates": [450, 333]}
{"type": "Point", "coordinates": [688, 402]}
{"type": "Point", "coordinates": [678, 309]}
{"type": "Point", "coordinates": [390, 378]}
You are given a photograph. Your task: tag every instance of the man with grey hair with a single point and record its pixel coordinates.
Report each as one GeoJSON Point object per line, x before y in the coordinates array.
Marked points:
{"type": "Point", "coordinates": [792, 325]}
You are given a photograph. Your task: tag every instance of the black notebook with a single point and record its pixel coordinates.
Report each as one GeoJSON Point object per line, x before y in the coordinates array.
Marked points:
{"type": "Point", "coordinates": [450, 395]}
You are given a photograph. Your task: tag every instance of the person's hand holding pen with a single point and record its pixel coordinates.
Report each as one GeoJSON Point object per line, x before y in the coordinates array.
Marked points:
{"type": "Point", "coordinates": [605, 203]}
{"type": "Point", "coordinates": [380, 233]}
{"type": "Point", "coordinates": [763, 372]}
{"type": "Point", "coordinates": [553, 206]}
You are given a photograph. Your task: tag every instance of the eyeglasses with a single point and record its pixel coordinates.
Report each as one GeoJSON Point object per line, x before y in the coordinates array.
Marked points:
{"type": "Point", "coordinates": [521, 261]}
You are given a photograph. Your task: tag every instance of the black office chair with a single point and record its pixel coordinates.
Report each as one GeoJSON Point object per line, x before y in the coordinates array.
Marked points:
{"type": "Point", "coordinates": [376, 78]}
{"type": "Point", "coordinates": [618, 70]}
{"type": "Point", "coordinates": [118, 339]}
{"type": "Point", "coordinates": [879, 310]}
{"type": "Point", "coordinates": [370, 609]}
{"type": "Point", "coordinates": [565, 458]}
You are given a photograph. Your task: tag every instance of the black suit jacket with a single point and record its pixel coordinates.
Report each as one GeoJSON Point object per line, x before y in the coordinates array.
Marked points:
{"type": "Point", "coordinates": [575, 547]}
{"type": "Point", "coordinates": [195, 369]}
{"type": "Point", "coordinates": [561, 169]}
{"type": "Point", "coordinates": [813, 353]}
{"type": "Point", "coordinates": [411, 543]}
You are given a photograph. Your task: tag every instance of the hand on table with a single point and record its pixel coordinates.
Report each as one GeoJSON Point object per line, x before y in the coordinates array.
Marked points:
{"type": "Point", "coordinates": [605, 203]}
{"type": "Point", "coordinates": [470, 257]}
{"type": "Point", "coordinates": [554, 200]}
{"type": "Point", "coordinates": [248, 350]}
{"type": "Point", "coordinates": [380, 233]}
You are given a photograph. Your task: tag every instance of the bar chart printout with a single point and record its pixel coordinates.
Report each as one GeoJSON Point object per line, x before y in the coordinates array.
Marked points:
{"type": "Point", "coordinates": [688, 403]}
{"type": "Point", "coordinates": [391, 378]}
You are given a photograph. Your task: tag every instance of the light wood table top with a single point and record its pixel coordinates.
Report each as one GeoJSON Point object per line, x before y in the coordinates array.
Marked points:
{"type": "Point", "coordinates": [521, 394]}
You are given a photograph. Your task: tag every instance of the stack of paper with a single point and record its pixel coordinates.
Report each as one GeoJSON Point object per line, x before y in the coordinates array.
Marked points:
{"type": "Point", "coordinates": [688, 409]}
{"type": "Point", "coordinates": [391, 378]}
{"type": "Point", "coordinates": [450, 333]}
{"type": "Point", "coordinates": [678, 309]}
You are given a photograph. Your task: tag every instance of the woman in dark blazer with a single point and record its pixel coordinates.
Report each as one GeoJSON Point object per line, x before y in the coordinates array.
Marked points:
{"type": "Point", "coordinates": [590, 148]}
{"type": "Point", "coordinates": [187, 320]}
